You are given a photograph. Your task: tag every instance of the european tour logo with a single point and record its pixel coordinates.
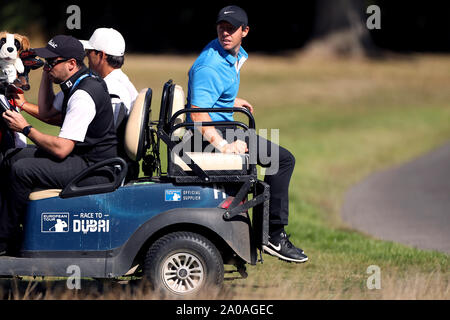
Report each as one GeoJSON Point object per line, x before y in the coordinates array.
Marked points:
{"type": "Point", "coordinates": [55, 222]}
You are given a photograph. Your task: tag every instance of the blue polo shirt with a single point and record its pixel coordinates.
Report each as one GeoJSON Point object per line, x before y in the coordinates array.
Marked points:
{"type": "Point", "coordinates": [214, 80]}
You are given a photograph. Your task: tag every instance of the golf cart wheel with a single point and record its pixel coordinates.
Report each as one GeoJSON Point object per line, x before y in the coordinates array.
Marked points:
{"type": "Point", "coordinates": [183, 263]}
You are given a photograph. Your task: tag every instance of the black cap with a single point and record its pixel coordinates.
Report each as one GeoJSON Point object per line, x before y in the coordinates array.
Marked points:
{"type": "Point", "coordinates": [62, 46]}
{"type": "Point", "coordinates": [234, 15]}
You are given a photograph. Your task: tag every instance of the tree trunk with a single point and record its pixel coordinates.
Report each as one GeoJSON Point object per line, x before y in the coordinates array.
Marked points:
{"type": "Point", "coordinates": [340, 30]}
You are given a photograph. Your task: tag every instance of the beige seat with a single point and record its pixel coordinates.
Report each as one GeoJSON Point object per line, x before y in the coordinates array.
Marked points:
{"type": "Point", "coordinates": [134, 137]}
{"type": "Point", "coordinates": [214, 161]}
{"type": "Point", "coordinates": [136, 125]}
{"type": "Point", "coordinates": [44, 194]}
{"type": "Point", "coordinates": [178, 103]}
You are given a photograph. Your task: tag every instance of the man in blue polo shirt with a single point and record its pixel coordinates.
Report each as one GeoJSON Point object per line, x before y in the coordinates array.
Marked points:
{"type": "Point", "coordinates": [214, 83]}
{"type": "Point", "coordinates": [214, 79]}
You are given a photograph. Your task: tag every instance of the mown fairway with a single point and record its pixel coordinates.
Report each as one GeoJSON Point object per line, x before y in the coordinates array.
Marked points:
{"type": "Point", "coordinates": [342, 120]}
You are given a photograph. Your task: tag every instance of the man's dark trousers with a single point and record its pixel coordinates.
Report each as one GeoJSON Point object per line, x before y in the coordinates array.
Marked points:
{"type": "Point", "coordinates": [269, 154]}
{"type": "Point", "coordinates": [22, 172]}
{"type": "Point", "coordinates": [280, 163]}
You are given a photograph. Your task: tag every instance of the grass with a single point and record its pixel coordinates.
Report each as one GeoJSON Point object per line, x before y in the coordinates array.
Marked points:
{"type": "Point", "coordinates": [342, 120]}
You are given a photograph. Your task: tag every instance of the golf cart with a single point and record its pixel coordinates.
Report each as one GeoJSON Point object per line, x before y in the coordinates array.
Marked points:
{"type": "Point", "coordinates": [176, 229]}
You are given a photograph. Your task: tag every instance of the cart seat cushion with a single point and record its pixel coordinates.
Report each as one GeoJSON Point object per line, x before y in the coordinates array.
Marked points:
{"type": "Point", "coordinates": [44, 194]}
{"type": "Point", "coordinates": [178, 103]}
{"type": "Point", "coordinates": [214, 161]}
{"type": "Point", "coordinates": [134, 127]}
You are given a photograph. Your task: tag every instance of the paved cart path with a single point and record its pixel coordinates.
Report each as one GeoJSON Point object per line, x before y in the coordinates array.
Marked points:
{"type": "Point", "coordinates": [409, 204]}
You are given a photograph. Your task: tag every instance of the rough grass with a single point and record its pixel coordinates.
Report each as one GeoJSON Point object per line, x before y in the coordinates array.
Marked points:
{"type": "Point", "coordinates": [342, 120]}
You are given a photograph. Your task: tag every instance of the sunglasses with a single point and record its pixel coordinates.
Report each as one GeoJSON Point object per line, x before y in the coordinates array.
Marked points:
{"type": "Point", "coordinates": [51, 63]}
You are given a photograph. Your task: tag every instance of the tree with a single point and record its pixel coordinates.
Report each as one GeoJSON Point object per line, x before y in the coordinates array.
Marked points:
{"type": "Point", "coordinates": [340, 30]}
{"type": "Point", "coordinates": [16, 15]}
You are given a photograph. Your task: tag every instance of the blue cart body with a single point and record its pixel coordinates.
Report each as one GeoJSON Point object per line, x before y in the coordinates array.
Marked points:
{"type": "Point", "coordinates": [106, 221]}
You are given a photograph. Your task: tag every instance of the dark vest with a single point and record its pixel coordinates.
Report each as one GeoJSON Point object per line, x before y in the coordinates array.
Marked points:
{"type": "Point", "coordinates": [100, 142]}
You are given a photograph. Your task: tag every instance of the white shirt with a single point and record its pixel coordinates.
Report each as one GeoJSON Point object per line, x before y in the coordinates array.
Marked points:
{"type": "Point", "coordinates": [79, 115]}
{"type": "Point", "coordinates": [20, 140]}
{"type": "Point", "coordinates": [119, 84]}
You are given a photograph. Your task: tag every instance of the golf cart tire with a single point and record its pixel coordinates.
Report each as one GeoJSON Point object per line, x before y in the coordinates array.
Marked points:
{"type": "Point", "coordinates": [183, 264]}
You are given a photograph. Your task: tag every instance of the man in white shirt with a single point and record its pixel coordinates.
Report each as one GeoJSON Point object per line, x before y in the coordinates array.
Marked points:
{"type": "Point", "coordinates": [105, 51]}
{"type": "Point", "coordinates": [83, 111]}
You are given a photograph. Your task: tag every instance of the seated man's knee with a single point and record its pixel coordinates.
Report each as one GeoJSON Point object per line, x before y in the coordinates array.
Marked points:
{"type": "Point", "coordinates": [287, 158]}
{"type": "Point", "coordinates": [19, 170]}
{"type": "Point", "coordinates": [291, 159]}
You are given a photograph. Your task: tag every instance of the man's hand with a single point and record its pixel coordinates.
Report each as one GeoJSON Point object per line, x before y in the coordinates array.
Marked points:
{"type": "Point", "coordinates": [237, 147]}
{"type": "Point", "coordinates": [241, 103]}
{"type": "Point", "coordinates": [19, 99]}
{"type": "Point", "coordinates": [47, 77]}
{"type": "Point", "coordinates": [213, 137]}
{"type": "Point", "coordinates": [58, 147]}
{"type": "Point", "coordinates": [15, 120]}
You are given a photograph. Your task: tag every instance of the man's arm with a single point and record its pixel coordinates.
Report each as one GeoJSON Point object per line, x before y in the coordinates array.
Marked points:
{"type": "Point", "coordinates": [46, 97]}
{"type": "Point", "coordinates": [238, 102]}
{"type": "Point", "coordinates": [33, 110]}
{"type": "Point", "coordinates": [213, 137]}
{"type": "Point", "coordinates": [59, 147]}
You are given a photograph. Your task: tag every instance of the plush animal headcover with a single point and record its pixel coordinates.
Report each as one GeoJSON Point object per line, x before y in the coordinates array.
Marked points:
{"type": "Point", "coordinates": [14, 72]}
{"type": "Point", "coordinates": [17, 59]}
{"type": "Point", "coordinates": [11, 45]}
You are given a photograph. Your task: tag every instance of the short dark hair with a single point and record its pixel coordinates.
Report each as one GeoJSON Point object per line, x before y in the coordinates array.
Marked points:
{"type": "Point", "coordinates": [115, 61]}
{"type": "Point", "coordinates": [80, 63]}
